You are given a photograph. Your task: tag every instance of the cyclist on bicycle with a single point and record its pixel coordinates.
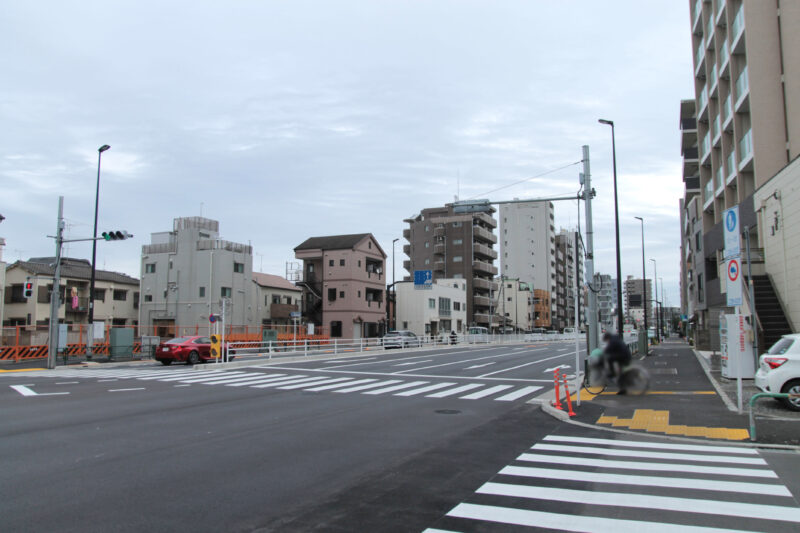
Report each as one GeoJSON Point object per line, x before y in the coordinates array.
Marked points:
{"type": "Point", "coordinates": [616, 356]}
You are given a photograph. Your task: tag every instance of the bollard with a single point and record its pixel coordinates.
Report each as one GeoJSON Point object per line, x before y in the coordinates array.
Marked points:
{"type": "Point", "coordinates": [569, 399]}
{"type": "Point", "coordinates": [752, 403]}
{"type": "Point", "coordinates": [556, 380]}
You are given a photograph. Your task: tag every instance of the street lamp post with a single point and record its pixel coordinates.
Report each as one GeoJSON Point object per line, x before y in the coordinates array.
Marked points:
{"type": "Point", "coordinates": [394, 290]}
{"type": "Point", "coordinates": [620, 321]}
{"type": "Point", "coordinates": [90, 338]}
{"type": "Point", "coordinates": [644, 285]}
{"type": "Point", "coordinates": [655, 277]}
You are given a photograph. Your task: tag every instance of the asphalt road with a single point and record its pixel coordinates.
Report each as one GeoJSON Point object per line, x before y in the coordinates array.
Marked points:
{"type": "Point", "coordinates": [389, 441]}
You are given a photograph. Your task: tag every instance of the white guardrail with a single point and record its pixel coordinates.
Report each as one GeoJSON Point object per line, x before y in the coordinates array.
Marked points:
{"type": "Point", "coordinates": [335, 346]}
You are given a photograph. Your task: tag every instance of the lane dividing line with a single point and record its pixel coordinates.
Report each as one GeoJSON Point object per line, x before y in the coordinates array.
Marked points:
{"type": "Point", "coordinates": [124, 390]}
{"type": "Point", "coordinates": [25, 391]}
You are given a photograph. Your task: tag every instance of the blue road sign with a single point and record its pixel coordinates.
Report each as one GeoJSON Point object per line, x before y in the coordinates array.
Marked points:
{"type": "Point", "coordinates": [423, 277]}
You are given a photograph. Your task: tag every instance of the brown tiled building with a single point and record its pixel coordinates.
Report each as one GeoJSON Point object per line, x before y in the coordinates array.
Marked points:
{"type": "Point", "coordinates": [457, 241]}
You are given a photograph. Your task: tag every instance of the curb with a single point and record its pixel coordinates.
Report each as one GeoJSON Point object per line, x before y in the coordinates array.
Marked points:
{"type": "Point", "coordinates": [722, 394]}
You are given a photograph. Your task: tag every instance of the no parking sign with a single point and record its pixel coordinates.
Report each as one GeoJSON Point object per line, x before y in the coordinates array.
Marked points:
{"type": "Point", "coordinates": [733, 282]}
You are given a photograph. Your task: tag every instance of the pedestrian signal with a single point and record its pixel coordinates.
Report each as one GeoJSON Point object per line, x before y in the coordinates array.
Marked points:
{"type": "Point", "coordinates": [216, 346]}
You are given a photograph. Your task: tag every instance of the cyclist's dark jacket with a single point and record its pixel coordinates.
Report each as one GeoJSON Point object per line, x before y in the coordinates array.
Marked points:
{"type": "Point", "coordinates": [617, 351]}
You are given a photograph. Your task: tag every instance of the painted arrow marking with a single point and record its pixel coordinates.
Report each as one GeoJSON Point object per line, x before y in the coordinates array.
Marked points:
{"type": "Point", "coordinates": [25, 391]}
{"type": "Point", "coordinates": [415, 362]}
{"type": "Point", "coordinates": [479, 366]}
{"type": "Point", "coordinates": [557, 367]}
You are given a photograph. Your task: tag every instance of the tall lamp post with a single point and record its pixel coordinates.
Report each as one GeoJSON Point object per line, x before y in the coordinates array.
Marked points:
{"type": "Point", "coordinates": [620, 320]}
{"type": "Point", "coordinates": [644, 285]}
{"type": "Point", "coordinates": [90, 338]}
{"type": "Point", "coordinates": [394, 290]}
{"type": "Point", "coordinates": [655, 277]}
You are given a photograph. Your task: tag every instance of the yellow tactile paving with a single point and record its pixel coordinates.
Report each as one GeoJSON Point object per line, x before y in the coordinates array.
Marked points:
{"type": "Point", "coordinates": [658, 422]}
{"type": "Point", "coordinates": [23, 370]}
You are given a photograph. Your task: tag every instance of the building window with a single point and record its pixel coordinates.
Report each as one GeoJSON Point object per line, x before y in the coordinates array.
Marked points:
{"type": "Point", "coordinates": [170, 264]}
{"type": "Point", "coordinates": [226, 292]}
{"type": "Point", "coordinates": [238, 268]}
{"type": "Point", "coordinates": [456, 306]}
{"type": "Point", "coordinates": [148, 297]}
{"type": "Point", "coordinates": [405, 325]}
{"type": "Point", "coordinates": [359, 263]}
{"type": "Point", "coordinates": [456, 224]}
{"type": "Point", "coordinates": [150, 268]}
{"type": "Point", "coordinates": [458, 241]}
{"type": "Point", "coordinates": [99, 295]}
{"type": "Point", "coordinates": [336, 328]}
{"type": "Point", "coordinates": [359, 294]}
{"type": "Point", "coordinates": [120, 295]}
{"type": "Point", "coordinates": [341, 262]}
{"type": "Point", "coordinates": [426, 227]}
{"type": "Point", "coordinates": [457, 259]}
{"type": "Point", "coordinates": [202, 292]}
{"type": "Point", "coordinates": [341, 294]}
{"type": "Point", "coordinates": [331, 295]}
{"type": "Point", "coordinates": [276, 299]}
{"type": "Point", "coordinates": [330, 262]}
{"type": "Point", "coordinates": [427, 245]}
{"type": "Point", "coordinates": [427, 261]}
{"type": "Point", "coordinates": [431, 303]}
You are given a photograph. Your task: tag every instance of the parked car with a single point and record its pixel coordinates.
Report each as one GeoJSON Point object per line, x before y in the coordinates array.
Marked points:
{"type": "Point", "coordinates": [400, 339]}
{"type": "Point", "coordinates": [477, 334]}
{"type": "Point", "coordinates": [190, 350]}
{"type": "Point", "coordinates": [779, 369]}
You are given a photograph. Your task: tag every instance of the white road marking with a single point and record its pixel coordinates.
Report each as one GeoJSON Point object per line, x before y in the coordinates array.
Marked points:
{"type": "Point", "coordinates": [450, 392]}
{"type": "Point", "coordinates": [518, 394]}
{"type": "Point", "coordinates": [252, 377]}
{"type": "Point", "coordinates": [334, 380]}
{"type": "Point", "coordinates": [427, 388]}
{"type": "Point", "coordinates": [523, 365]}
{"type": "Point", "coordinates": [25, 391]}
{"type": "Point", "coordinates": [571, 522]}
{"type": "Point", "coordinates": [265, 379]}
{"type": "Point", "coordinates": [369, 386]}
{"type": "Point", "coordinates": [396, 387]}
{"type": "Point", "coordinates": [480, 366]}
{"type": "Point", "coordinates": [67, 382]}
{"type": "Point", "coordinates": [486, 392]}
{"type": "Point", "coordinates": [287, 382]}
{"type": "Point", "coordinates": [557, 368]}
{"type": "Point", "coordinates": [345, 384]}
{"type": "Point", "coordinates": [225, 375]}
{"type": "Point", "coordinates": [647, 481]}
{"type": "Point", "coordinates": [106, 380]}
{"type": "Point", "coordinates": [644, 501]}
{"type": "Point", "coordinates": [414, 363]}
{"type": "Point", "coordinates": [659, 445]}
{"type": "Point", "coordinates": [633, 465]}
{"type": "Point", "coordinates": [649, 455]}
{"type": "Point", "coordinates": [181, 385]}
{"type": "Point", "coordinates": [124, 390]}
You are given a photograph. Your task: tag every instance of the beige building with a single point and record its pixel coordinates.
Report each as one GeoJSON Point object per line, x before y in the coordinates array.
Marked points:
{"type": "Point", "coordinates": [116, 296]}
{"type": "Point", "coordinates": [438, 310]}
{"type": "Point", "coordinates": [515, 302]}
{"type": "Point", "coordinates": [747, 110]}
{"type": "Point", "coordinates": [344, 284]}
{"type": "Point", "coordinates": [275, 299]}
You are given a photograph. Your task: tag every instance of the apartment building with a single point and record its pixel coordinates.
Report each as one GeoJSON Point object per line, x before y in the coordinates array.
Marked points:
{"type": "Point", "coordinates": [344, 284]}
{"type": "Point", "coordinates": [527, 245]}
{"type": "Point", "coordinates": [188, 272]}
{"type": "Point", "coordinates": [605, 288]}
{"type": "Point", "coordinates": [437, 310]}
{"type": "Point", "coordinates": [457, 241]}
{"type": "Point", "coordinates": [275, 299]}
{"type": "Point", "coordinates": [638, 295]}
{"type": "Point", "coordinates": [747, 111]}
{"type": "Point", "coordinates": [569, 272]}
{"type": "Point", "coordinates": [116, 296]}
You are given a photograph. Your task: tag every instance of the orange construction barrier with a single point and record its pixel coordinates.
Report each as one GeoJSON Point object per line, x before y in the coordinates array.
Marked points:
{"type": "Point", "coordinates": [569, 399]}
{"type": "Point", "coordinates": [556, 380]}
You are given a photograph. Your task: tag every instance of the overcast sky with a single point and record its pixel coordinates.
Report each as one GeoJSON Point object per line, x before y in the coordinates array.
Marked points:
{"type": "Point", "coordinates": [292, 119]}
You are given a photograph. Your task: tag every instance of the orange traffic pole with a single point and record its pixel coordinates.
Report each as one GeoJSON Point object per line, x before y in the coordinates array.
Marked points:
{"type": "Point", "coordinates": [569, 399]}
{"type": "Point", "coordinates": [556, 380]}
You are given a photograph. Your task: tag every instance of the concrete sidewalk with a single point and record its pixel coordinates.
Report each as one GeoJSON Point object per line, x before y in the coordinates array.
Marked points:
{"type": "Point", "coordinates": [687, 398]}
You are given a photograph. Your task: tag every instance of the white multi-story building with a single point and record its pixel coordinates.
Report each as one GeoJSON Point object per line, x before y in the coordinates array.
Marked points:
{"type": "Point", "coordinates": [515, 302]}
{"type": "Point", "coordinates": [188, 272]}
{"type": "Point", "coordinates": [435, 311]}
{"type": "Point", "coordinates": [527, 246]}
{"type": "Point", "coordinates": [275, 299]}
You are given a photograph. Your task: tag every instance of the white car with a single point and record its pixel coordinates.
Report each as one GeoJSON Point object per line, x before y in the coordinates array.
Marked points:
{"type": "Point", "coordinates": [779, 369]}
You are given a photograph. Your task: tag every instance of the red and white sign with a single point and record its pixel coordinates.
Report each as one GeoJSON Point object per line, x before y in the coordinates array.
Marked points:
{"type": "Point", "coordinates": [733, 287]}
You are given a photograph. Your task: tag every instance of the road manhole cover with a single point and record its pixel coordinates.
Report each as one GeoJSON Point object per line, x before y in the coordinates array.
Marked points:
{"type": "Point", "coordinates": [447, 411]}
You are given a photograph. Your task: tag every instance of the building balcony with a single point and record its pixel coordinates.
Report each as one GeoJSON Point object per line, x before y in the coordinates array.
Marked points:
{"type": "Point", "coordinates": [700, 62]}
{"type": "Point", "coordinates": [716, 131]}
{"type": "Point", "coordinates": [737, 31]}
{"type": "Point", "coordinates": [76, 305]}
{"type": "Point", "coordinates": [484, 251]}
{"type": "Point", "coordinates": [697, 16]}
{"type": "Point", "coordinates": [481, 301]}
{"type": "Point", "coordinates": [705, 155]}
{"type": "Point", "coordinates": [708, 194]}
{"type": "Point", "coordinates": [439, 249]}
{"type": "Point", "coordinates": [486, 219]}
{"type": "Point", "coordinates": [742, 91]}
{"type": "Point", "coordinates": [720, 179]}
{"type": "Point", "coordinates": [482, 318]}
{"type": "Point", "coordinates": [483, 235]}
{"type": "Point", "coordinates": [439, 231]}
{"type": "Point", "coordinates": [727, 114]}
{"type": "Point", "coordinates": [483, 266]}
{"type": "Point", "coordinates": [407, 265]}
{"type": "Point", "coordinates": [438, 266]}
{"type": "Point", "coordinates": [407, 249]}
{"type": "Point", "coordinates": [484, 284]}
{"type": "Point", "coordinates": [407, 234]}
{"type": "Point", "coordinates": [746, 152]}
{"type": "Point", "coordinates": [731, 164]}
{"type": "Point", "coordinates": [445, 313]}
{"type": "Point", "coordinates": [724, 61]}
{"type": "Point", "coordinates": [710, 33]}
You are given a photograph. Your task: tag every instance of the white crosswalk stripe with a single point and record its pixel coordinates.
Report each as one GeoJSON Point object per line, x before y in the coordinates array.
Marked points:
{"type": "Point", "coordinates": [322, 382]}
{"type": "Point", "coordinates": [640, 493]}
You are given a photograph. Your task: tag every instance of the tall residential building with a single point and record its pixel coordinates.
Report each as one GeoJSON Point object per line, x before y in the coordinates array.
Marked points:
{"type": "Point", "coordinates": [527, 245]}
{"type": "Point", "coordinates": [747, 98]}
{"type": "Point", "coordinates": [188, 272]}
{"type": "Point", "coordinates": [457, 241]}
{"type": "Point", "coordinates": [639, 294]}
{"type": "Point", "coordinates": [569, 271]}
{"type": "Point", "coordinates": [344, 284]}
{"type": "Point", "coordinates": [515, 301]}
{"type": "Point", "coordinates": [605, 288]}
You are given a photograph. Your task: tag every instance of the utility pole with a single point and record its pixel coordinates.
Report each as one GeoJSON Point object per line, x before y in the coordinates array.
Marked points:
{"type": "Point", "coordinates": [55, 295]}
{"type": "Point", "coordinates": [588, 194]}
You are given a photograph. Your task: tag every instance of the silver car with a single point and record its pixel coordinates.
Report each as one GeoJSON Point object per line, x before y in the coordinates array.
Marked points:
{"type": "Point", "coordinates": [400, 339]}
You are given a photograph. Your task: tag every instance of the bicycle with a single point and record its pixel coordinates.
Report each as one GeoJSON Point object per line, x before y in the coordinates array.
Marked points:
{"type": "Point", "coordinates": [634, 380]}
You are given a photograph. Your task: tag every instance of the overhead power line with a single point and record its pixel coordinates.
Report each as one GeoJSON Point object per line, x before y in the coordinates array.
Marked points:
{"type": "Point", "coordinates": [525, 179]}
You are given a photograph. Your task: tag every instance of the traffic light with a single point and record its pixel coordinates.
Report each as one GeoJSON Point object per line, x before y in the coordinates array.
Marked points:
{"type": "Point", "coordinates": [116, 235]}
{"type": "Point", "coordinates": [216, 346]}
{"type": "Point", "coordinates": [28, 289]}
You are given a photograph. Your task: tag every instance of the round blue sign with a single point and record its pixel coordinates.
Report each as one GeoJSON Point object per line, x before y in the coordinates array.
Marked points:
{"type": "Point", "coordinates": [730, 221]}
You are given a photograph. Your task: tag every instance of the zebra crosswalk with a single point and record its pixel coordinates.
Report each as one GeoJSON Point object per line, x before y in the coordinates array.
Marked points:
{"type": "Point", "coordinates": [290, 380]}
{"type": "Point", "coordinates": [565, 483]}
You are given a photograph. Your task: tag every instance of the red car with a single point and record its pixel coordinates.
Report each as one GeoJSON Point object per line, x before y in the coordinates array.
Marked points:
{"type": "Point", "coordinates": [191, 350]}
